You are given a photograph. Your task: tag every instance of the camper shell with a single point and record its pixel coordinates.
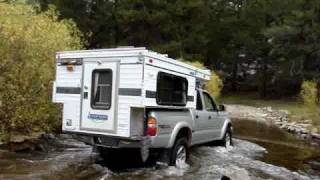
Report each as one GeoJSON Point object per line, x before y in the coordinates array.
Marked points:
{"type": "Point", "coordinates": [107, 92]}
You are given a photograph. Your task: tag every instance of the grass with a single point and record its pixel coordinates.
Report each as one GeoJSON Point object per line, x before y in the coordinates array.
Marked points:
{"type": "Point", "coordinates": [298, 111]}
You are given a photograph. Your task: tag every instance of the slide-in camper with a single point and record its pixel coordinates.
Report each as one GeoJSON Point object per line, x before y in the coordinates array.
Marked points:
{"type": "Point", "coordinates": [135, 98]}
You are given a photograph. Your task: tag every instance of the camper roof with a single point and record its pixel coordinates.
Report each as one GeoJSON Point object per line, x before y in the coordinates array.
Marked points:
{"type": "Point", "coordinates": [203, 74]}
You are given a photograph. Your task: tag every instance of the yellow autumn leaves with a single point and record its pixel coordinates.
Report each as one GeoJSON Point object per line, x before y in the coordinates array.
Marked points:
{"type": "Point", "coordinates": [28, 43]}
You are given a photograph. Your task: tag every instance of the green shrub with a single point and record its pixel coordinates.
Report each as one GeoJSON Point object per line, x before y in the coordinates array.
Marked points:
{"type": "Point", "coordinates": [309, 93]}
{"type": "Point", "coordinates": [28, 43]}
{"type": "Point", "coordinates": [215, 85]}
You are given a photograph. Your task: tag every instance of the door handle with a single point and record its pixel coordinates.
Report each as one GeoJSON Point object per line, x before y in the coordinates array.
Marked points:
{"type": "Point", "coordinates": [209, 117]}
{"type": "Point", "coordinates": [85, 95]}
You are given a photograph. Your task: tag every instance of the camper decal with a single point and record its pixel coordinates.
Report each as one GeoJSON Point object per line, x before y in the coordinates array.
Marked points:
{"type": "Point", "coordinates": [97, 117]}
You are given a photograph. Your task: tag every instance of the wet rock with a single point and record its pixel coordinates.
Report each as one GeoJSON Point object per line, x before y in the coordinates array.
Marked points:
{"type": "Point", "coordinates": [283, 126]}
{"type": "Point", "coordinates": [24, 142]}
{"type": "Point", "coordinates": [315, 136]}
{"type": "Point", "coordinates": [304, 131]}
{"type": "Point", "coordinates": [298, 130]}
{"type": "Point", "coordinates": [234, 173]}
{"type": "Point", "coordinates": [304, 125]}
{"type": "Point", "coordinates": [26, 145]}
{"type": "Point", "coordinates": [304, 136]}
{"type": "Point", "coordinates": [97, 167]}
{"type": "Point", "coordinates": [278, 123]}
{"type": "Point", "coordinates": [292, 123]}
{"type": "Point", "coordinates": [65, 136]}
{"type": "Point", "coordinates": [22, 138]}
{"type": "Point", "coordinates": [269, 109]}
{"type": "Point", "coordinates": [290, 128]}
{"type": "Point", "coordinates": [308, 121]}
{"type": "Point", "coordinates": [48, 136]}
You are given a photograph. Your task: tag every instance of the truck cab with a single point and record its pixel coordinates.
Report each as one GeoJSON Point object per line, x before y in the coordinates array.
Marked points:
{"type": "Point", "coordinates": [209, 119]}
{"type": "Point", "coordinates": [208, 122]}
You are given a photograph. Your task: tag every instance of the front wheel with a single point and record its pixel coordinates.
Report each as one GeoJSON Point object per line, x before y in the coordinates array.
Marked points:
{"type": "Point", "coordinates": [179, 153]}
{"type": "Point", "coordinates": [227, 139]}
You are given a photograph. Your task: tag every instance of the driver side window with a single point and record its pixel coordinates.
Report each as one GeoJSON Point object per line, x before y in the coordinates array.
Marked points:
{"type": "Point", "coordinates": [209, 103]}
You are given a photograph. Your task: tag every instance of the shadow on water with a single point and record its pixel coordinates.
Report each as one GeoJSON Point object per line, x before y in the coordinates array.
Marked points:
{"type": "Point", "coordinates": [284, 149]}
{"type": "Point", "coordinates": [122, 160]}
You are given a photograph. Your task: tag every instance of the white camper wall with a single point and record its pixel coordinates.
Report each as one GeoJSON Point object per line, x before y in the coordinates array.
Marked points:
{"type": "Point", "coordinates": [130, 80]}
{"type": "Point", "coordinates": [151, 71]}
{"type": "Point", "coordinates": [71, 101]}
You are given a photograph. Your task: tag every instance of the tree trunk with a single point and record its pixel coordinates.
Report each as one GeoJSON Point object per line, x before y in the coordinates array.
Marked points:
{"type": "Point", "coordinates": [234, 86]}
{"type": "Point", "coordinates": [263, 92]}
{"type": "Point", "coordinates": [318, 91]}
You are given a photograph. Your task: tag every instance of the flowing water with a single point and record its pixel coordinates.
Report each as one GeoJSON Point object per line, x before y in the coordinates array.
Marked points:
{"type": "Point", "coordinates": [259, 152]}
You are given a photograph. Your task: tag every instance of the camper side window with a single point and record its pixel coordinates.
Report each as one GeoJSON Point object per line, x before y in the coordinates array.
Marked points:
{"type": "Point", "coordinates": [171, 90]}
{"type": "Point", "coordinates": [101, 89]}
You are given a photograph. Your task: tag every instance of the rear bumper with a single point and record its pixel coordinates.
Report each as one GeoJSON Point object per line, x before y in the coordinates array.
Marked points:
{"type": "Point", "coordinates": [110, 141]}
{"type": "Point", "coordinates": [133, 138]}
{"type": "Point", "coordinates": [115, 143]}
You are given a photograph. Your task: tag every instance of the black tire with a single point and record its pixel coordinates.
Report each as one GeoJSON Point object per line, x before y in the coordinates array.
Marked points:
{"type": "Point", "coordinates": [104, 153]}
{"type": "Point", "coordinates": [227, 138]}
{"type": "Point", "coordinates": [181, 144]}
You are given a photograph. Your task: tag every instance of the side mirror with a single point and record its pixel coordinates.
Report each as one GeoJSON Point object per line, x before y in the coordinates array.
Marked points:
{"type": "Point", "coordinates": [222, 107]}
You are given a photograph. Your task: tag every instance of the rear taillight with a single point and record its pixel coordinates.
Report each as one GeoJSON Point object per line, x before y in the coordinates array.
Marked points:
{"type": "Point", "coordinates": [151, 126]}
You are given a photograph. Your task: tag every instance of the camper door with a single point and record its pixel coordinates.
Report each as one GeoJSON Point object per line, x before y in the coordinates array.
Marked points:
{"type": "Point", "coordinates": [99, 96]}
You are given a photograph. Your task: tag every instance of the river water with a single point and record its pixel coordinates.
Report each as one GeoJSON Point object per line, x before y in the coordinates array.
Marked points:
{"type": "Point", "coordinates": [259, 152]}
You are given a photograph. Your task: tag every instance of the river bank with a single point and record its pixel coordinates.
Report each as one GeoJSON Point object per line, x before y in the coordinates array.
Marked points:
{"type": "Point", "coordinates": [272, 116]}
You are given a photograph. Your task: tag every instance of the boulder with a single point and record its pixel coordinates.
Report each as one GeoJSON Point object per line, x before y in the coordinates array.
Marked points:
{"type": "Point", "coordinates": [315, 136]}
{"type": "Point", "coordinates": [234, 172]}
{"type": "Point", "coordinates": [25, 145]}
{"type": "Point", "coordinates": [304, 136]}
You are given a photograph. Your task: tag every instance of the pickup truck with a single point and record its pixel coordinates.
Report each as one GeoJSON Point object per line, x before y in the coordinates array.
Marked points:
{"type": "Point", "coordinates": [170, 133]}
{"type": "Point", "coordinates": [136, 99]}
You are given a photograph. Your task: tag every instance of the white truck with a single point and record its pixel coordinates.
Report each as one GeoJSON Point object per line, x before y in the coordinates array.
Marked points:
{"type": "Point", "coordinates": [134, 98]}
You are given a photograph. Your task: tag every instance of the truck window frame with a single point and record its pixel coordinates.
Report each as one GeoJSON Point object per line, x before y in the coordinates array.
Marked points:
{"type": "Point", "coordinates": [214, 105]}
{"type": "Point", "coordinates": [199, 105]}
{"type": "Point", "coordinates": [93, 82]}
{"type": "Point", "coordinates": [173, 79]}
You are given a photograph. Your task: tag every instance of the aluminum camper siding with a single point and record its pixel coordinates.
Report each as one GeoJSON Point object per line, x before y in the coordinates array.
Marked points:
{"type": "Point", "coordinates": [129, 93]}
{"type": "Point", "coordinates": [151, 71]}
{"type": "Point", "coordinates": [67, 90]}
{"type": "Point", "coordinates": [138, 77]}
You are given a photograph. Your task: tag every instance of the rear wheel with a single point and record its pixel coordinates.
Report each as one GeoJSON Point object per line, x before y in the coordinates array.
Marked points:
{"type": "Point", "coordinates": [179, 153]}
{"type": "Point", "coordinates": [104, 153]}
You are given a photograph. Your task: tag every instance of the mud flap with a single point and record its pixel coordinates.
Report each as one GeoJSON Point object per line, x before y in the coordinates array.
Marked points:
{"type": "Point", "coordinates": [144, 150]}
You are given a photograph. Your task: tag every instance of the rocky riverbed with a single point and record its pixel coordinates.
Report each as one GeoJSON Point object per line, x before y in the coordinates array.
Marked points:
{"type": "Point", "coordinates": [269, 153]}
{"type": "Point", "coordinates": [279, 118]}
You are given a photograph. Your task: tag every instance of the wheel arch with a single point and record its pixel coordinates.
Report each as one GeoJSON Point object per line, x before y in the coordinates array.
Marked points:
{"type": "Point", "coordinates": [181, 130]}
